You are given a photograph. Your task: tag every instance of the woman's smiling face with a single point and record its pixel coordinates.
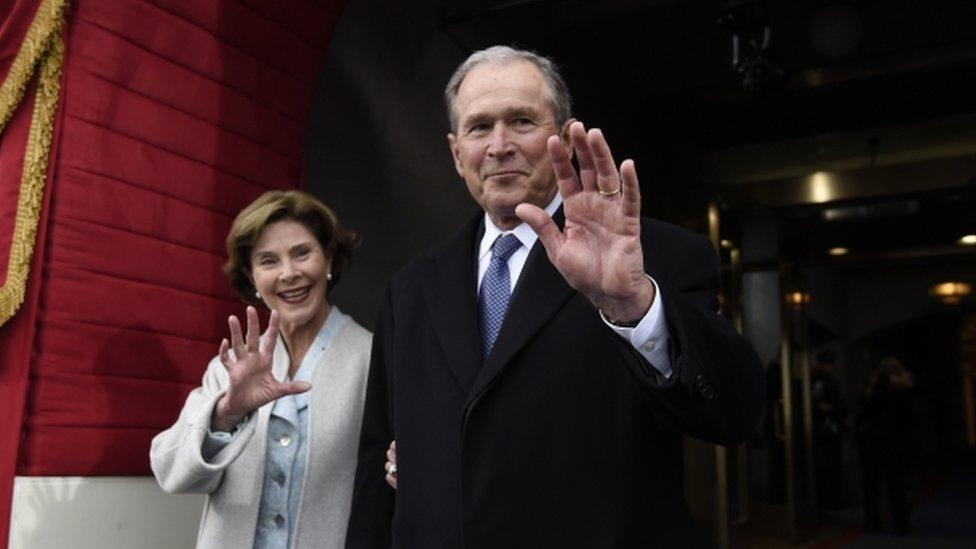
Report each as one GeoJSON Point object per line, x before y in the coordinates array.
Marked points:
{"type": "Point", "coordinates": [290, 270]}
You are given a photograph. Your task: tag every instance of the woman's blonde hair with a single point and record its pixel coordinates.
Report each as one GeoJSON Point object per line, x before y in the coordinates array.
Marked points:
{"type": "Point", "coordinates": [273, 206]}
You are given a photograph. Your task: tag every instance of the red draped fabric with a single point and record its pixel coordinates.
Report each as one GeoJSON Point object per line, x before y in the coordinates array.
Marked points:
{"type": "Point", "coordinates": [17, 335]}
{"type": "Point", "coordinates": [174, 115]}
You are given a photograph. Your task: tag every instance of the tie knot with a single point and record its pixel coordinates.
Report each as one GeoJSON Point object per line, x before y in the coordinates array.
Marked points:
{"type": "Point", "coordinates": [504, 246]}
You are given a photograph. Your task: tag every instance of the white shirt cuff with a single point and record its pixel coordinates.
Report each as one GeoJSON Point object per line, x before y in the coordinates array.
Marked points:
{"type": "Point", "coordinates": [650, 336]}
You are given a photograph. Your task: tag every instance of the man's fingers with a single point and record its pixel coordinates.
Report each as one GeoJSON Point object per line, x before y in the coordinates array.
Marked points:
{"type": "Point", "coordinates": [631, 202]}
{"type": "Point", "coordinates": [606, 170]}
{"type": "Point", "coordinates": [236, 337]}
{"type": "Point", "coordinates": [271, 334]}
{"type": "Point", "coordinates": [542, 224]}
{"type": "Point", "coordinates": [562, 165]}
{"type": "Point", "coordinates": [391, 454]}
{"type": "Point", "coordinates": [584, 156]}
{"type": "Point", "coordinates": [391, 480]}
{"type": "Point", "coordinates": [253, 329]}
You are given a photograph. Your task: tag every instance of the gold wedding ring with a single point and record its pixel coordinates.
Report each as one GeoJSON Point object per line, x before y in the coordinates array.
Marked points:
{"type": "Point", "coordinates": [609, 193]}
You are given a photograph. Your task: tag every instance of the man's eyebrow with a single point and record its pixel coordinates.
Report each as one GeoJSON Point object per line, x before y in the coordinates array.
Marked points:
{"type": "Point", "coordinates": [506, 113]}
{"type": "Point", "coordinates": [512, 112]}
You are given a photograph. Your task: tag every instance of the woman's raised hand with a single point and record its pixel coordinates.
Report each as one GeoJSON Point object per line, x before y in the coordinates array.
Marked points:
{"type": "Point", "coordinates": [252, 384]}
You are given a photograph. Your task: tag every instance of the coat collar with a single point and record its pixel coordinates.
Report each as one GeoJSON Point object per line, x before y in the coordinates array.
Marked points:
{"type": "Point", "coordinates": [449, 289]}
{"type": "Point", "coordinates": [540, 291]}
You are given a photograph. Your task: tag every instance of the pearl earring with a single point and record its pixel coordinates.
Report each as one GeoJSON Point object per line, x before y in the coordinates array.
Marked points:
{"type": "Point", "coordinates": [328, 276]}
{"type": "Point", "coordinates": [257, 295]}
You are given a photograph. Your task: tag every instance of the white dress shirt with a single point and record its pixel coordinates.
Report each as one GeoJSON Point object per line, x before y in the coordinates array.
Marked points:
{"type": "Point", "coordinates": [649, 337]}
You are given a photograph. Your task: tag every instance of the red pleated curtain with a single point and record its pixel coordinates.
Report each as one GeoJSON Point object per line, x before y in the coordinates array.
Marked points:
{"type": "Point", "coordinates": [173, 115]}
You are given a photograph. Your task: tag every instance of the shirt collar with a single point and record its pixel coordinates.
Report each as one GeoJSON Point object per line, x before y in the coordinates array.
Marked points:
{"type": "Point", "coordinates": [522, 231]}
{"type": "Point", "coordinates": [287, 407]}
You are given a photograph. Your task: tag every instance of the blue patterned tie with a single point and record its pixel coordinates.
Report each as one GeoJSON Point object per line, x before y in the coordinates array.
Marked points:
{"type": "Point", "coordinates": [495, 290]}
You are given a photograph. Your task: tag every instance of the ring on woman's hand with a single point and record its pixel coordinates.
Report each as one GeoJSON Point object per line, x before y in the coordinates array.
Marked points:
{"type": "Point", "coordinates": [391, 469]}
{"type": "Point", "coordinates": [610, 193]}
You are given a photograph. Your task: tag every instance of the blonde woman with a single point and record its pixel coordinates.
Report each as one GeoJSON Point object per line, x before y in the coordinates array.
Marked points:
{"type": "Point", "coordinates": [271, 434]}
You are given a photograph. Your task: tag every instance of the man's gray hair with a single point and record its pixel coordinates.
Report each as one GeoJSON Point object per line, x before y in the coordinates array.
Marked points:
{"type": "Point", "coordinates": [559, 98]}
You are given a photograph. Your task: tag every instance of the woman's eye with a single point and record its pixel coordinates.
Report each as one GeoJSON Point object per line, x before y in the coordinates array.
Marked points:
{"type": "Point", "coordinates": [266, 262]}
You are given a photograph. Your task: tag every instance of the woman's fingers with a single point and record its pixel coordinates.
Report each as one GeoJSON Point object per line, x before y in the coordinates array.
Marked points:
{"type": "Point", "coordinates": [391, 465]}
{"type": "Point", "coordinates": [236, 337]}
{"type": "Point", "coordinates": [271, 334]}
{"type": "Point", "coordinates": [225, 352]}
{"type": "Point", "coordinates": [293, 388]}
{"type": "Point", "coordinates": [253, 329]}
{"type": "Point", "coordinates": [391, 473]}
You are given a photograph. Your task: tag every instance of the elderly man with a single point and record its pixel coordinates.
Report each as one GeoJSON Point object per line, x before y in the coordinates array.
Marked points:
{"type": "Point", "coordinates": [539, 368]}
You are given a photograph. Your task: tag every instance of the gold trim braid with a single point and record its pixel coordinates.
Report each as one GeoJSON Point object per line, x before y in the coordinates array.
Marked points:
{"type": "Point", "coordinates": [41, 51]}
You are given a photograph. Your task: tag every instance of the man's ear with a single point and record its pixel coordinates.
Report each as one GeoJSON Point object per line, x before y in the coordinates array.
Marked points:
{"type": "Point", "coordinates": [564, 137]}
{"type": "Point", "coordinates": [455, 154]}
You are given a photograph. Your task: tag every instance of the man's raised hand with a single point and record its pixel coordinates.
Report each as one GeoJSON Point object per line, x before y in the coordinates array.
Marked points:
{"type": "Point", "coordinates": [599, 252]}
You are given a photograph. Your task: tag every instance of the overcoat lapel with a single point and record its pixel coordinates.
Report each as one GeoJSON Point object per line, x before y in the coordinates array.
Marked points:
{"type": "Point", "coordinates": [449, 289]}
{"type": "Point", "coordinates": [539, 293]}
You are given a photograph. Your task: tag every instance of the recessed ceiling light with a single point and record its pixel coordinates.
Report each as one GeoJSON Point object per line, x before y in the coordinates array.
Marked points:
{"type": "Point", "coordinates": [951, 292]}
{"type": "Point", "coordinates": [839, 250]}
{"type": "Point", "coordinates": [821, 187]}
{"type": "Point", "coordinates": [968, 240]}
{"type": "Point", "coordinates": [797, 300]}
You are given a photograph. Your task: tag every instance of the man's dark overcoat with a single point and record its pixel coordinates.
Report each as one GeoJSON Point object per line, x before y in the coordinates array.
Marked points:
{"type": "Point", "coordinates": [564, 436]}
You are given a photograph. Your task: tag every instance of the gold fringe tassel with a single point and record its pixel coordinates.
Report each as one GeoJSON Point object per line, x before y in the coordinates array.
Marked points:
{"type": "Point", "coordinates": [41, 50]}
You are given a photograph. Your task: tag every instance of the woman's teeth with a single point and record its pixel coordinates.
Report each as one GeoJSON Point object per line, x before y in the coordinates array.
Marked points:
{"type": "Point", "coordinates": [294, 295]}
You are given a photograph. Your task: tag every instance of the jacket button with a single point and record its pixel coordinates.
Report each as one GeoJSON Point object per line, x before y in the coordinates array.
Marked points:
{"type": "Point", "coordinates": [704, 387]}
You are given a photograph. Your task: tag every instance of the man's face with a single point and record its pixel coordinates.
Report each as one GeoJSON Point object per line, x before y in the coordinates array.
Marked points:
{"type": "Point", "coordinates": [504, 120]}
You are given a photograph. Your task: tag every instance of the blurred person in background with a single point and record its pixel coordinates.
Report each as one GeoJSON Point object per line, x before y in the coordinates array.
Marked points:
{"type": "Point", "coordinates": [830, 413]}
{"type": "Point", "coordinates": [883, 426]}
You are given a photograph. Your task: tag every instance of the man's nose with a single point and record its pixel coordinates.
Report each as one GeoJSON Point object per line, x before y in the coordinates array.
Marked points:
{"type": "Point", "coordinates": [499, 142]}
